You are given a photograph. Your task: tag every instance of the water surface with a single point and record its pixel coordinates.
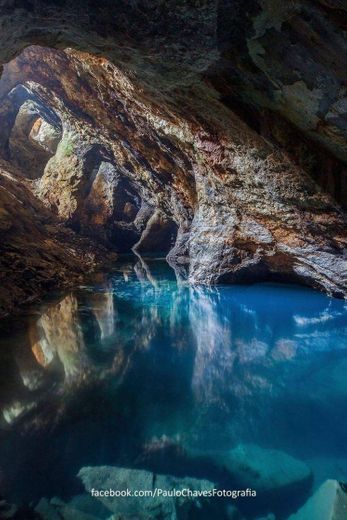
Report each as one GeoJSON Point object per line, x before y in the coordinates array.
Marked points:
{"type": "Point", "coordinates": [140, 370]}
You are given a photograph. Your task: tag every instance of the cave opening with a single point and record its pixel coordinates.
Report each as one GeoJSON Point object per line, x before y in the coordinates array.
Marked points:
{"type": "Point", "coordinates": [33, 140]}
{"type": "Point", "coordinates": [31, 131]}
{"type": "Point", "coordinates": [78, 175]}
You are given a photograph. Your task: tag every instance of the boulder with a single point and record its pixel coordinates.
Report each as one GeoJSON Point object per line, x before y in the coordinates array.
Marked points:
{"type": "Point", "coordinates": [163, 507]}
{"type": "Point", "coordinates": [329, 502]}
{"type": "Point", "coordinates": [264, 470]}
{"type": "Point", "coordinates": [57, 509]}
{"type": "Point", "coordinates": [46, 510]}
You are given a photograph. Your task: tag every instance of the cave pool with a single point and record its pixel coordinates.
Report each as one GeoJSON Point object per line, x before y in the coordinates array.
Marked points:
{"type": "Point", "coordinates": [139, 370]}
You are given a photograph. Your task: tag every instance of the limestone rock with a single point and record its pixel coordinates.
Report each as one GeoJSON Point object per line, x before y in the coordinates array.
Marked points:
{"type": "Point", "coordinates": [328, 503]}
{"type": "Point", "coordinates": [159, 235]}
{"type": "Point", "coordinates": [146, 508]}
{"type": "Point", "coordinates": [36, 252]}
{"type": "Point", "coordinates": [229, 125]}
{"type": "Point", "coordinates": [265, 470]}
{"type": "Point", "coordinates": [56, 509]}
{"type": "Point", "coordinates": [32, 141]}
{"type": "Point", "coordinates": [46, 510]}
{"type": "Point", "coordinates": [247, 212]}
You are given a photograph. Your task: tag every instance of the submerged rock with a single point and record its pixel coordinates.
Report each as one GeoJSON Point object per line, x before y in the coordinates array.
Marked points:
{"type": "Point", "coordinates": [233, 513]}
{"type": "Point", "coordinates": [7, 511]}
{"type": "Point", "coordinates": [76, 509]}
{"type": "Point", "coordinates": [328, 503]}
{"type": "Point", "coordinates": [46, 510]}
{"type": "Point", "coordinates": [90, 505]}
{"type": "Point", "coordinates": [265, 470]}
{"type": "Point", "coordinates": [163, 507]}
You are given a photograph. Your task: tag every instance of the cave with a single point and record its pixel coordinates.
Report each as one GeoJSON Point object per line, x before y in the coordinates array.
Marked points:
{"type": "Point", "coordinates": [173, 179]}
{"type": "Point", "coordinates": [118, 172]}
{"type": "Point", "coordinates": [31, 133]}
{"type": "Point", "coordinates": [32, 141]}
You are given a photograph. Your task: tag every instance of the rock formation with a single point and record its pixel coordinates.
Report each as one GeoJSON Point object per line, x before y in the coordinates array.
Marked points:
{"type": "Point", "coordinates": [328, 502]}
{"type": "Point", "coordinates": [37, 252]}
{"type": "Point", "coordinates": [265, 470]}
{"type": "Point", "coordinates": [214, 132]}
{"type": "Point", "coordinates": [165, 506]}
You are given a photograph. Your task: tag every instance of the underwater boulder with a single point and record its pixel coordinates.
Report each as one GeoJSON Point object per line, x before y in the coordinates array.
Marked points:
{"type": "Point", "coordinates": [262, 469]}
{"type": "Point", "coordinates": [233, 513]}
{"type": "Point", "coordinates": [87, 504]}
{"type": "Point", "coordinates": [57, 509]}
{"type": "Point", "coordinates": [46, 510]}
{"type": "Point", "coordinates": [329, 502]}
{"type": "Point", "coordinates": [7, 510]}
{"type": "Point", "coordinates": [163, 506]}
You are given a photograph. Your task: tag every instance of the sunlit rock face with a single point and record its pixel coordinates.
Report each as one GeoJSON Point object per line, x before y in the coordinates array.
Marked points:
{"type": "Point", "coordinates": [37, 253]}
{"type": "Point", "coordinates": [224, 134]}
{"type": "Point", "coordinates": [59, 333]}
{"type": "Point", "coordinates": [86, 191]}
{"type": "Point", "coordinates": [32, 141]}
{"type": "Point", "coordinates": [45, 135]}
{"type": "Point", "coordinates": [246, 210]}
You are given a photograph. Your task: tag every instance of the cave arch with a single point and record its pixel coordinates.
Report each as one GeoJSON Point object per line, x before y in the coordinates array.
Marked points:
{"type": "Point", "coordinates": [107, 202]}
{"type": "Point", "coordinates": [10, 105]}
{"type": "Point", "coordinates": [189, 154]}
{"type": "Point", "coordinates": [32, 141]}
{"type": "Point", "coordinates": [30, 131]}
{"type": "Point", "coordinates": [159, 235]}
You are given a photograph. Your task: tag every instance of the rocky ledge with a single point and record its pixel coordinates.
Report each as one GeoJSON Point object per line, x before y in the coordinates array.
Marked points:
{"type": "Point", "coordinates": [37, 252]}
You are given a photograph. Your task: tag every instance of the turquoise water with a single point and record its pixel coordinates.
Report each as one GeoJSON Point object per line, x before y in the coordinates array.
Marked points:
{"type": "Point", "coordinates": [141, 371]}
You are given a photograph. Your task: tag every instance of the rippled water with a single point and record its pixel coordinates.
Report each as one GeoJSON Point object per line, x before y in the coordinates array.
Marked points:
{"type": "Point", "coordinates": [141, 371]}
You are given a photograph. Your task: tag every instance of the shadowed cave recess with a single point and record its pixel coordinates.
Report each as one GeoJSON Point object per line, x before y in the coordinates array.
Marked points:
{"type": "Point", "coordinates": [214, 132]}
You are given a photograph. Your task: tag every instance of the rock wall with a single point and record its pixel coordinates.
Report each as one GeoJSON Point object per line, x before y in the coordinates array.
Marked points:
{"type": "Point", "coordinates": [222, 125]}
{"type": "Point", "coordinates": [37, 253]}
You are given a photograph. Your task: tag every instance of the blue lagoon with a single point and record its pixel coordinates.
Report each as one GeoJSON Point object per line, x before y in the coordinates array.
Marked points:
{"type": "Point", "coordinates": [240, 386]}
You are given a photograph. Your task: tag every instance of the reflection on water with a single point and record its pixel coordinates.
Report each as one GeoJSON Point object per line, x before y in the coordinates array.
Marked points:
{"type": "Point", "coordinates": [104, 310]}
{"type": "Point", "coordinates": [137, 364]}
{"type": "Point", "coordinates": [57, 335]}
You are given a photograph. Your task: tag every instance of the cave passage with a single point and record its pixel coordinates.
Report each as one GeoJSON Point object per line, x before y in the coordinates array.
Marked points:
{"type": "Point", "coordinates": [75, 175]}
